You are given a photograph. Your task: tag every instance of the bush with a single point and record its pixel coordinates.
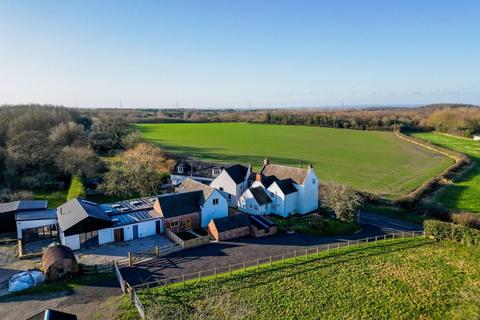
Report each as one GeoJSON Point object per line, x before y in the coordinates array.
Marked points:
{"type": "Point", "coordinates": [7, 195]}
{"type": "Point", "coordinates": [448, 231]}
{"type": "Point", "coordinates": [77, 189]}
{"type": "Point", "coordinates": [467, 219]}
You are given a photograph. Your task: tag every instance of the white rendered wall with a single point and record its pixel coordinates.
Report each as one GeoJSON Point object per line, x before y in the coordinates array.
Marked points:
{"type": "Point", "coordinates": [211, 211]}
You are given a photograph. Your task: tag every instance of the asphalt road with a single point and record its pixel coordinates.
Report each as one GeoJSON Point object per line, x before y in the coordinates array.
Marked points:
{"type": "Point", "coordinates": [224, 253]}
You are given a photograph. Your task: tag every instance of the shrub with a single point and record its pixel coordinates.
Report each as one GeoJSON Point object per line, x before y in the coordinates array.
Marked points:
{"type": "Point", "coordinates": [7, 195]}
{"type": "Point", "coordinates": [448, 231]}
{"type": "Point", "coordinates": [467, 219]}
{"type": "Point", "coordinates": [77, 189]}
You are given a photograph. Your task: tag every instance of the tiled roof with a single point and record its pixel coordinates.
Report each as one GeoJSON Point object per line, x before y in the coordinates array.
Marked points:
{"type": "Point", "coordinates": [283, 172]}
{"type": "Point", "coordinates": [178, 204]}
{"type": "Point", "coordinates": [192, 185]}
{"type": "Point", "coordinates": [232, 222]}
{"type": "Point", "coordinates": [286, 185]}
{"type": "Point", "coordinates": [237, 172]}
{"type": "Point", "coordinates": [260, 195]}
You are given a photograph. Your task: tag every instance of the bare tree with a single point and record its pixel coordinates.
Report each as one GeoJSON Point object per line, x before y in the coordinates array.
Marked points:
{"type": "Point", "coordinates": [341, 199]}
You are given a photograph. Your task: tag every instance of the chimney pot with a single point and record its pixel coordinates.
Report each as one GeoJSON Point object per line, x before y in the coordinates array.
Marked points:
{"type": "Point", "coordinates": [310, 166]}
{"type": "Point", "coordinates": [266, 161]}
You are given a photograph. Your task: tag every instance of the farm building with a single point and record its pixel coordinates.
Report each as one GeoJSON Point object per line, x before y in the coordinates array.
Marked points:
{"type": "Point", "coordinates": [261, 226]}
{"type": "Point", "coordinates": [232, 183]}
{"type": "Point", "coordinates": [214, 204]}
{"type": "Point", "coordinates": [230, 227]}
{"type": "Point", "coordinates": [59, 262]}
{"type": "Point", "coordinates": [180, 211]}
{"type": "Point", "coordinates": [84, 223]}
{"type": "Point", "coordinates": [9, 209]}
{"type": "Point", "coordinates": [200, 171]}
{"type": "Point", "coordinates": [33, 225]}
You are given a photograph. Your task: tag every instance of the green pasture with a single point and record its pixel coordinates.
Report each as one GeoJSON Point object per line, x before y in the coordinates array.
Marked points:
{"type": "Point", "coordinates": [464, 194]}
{"type": "Point", "coordinates": [368, 160]}
{"type": "Point", "coordinates": [399, 279]}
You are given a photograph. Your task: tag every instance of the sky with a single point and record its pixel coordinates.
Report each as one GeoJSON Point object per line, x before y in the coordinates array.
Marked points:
{"type": "Point", "coordinates": [236, 54]}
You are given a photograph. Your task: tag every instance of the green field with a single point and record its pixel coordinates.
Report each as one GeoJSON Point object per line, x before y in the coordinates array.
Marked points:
{"type": "Point", "coordinates": [400, 279]}
{"type": "Point", "coordinates": [465, 193]}
{"type": "Point", "coordinates": [367, 160]}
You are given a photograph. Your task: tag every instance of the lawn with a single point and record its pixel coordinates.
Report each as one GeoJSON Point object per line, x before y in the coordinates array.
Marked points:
{"type": "Point", "coordinates": [400, 279]}
{"type": "Point", "coordinates": [315, 224]}
{"type": "Point", "coordinates": [464, 194]}
{"type": "Point", "coordinates": [368, 160]}
{"type": "Point", "coordinates": [55, 198]}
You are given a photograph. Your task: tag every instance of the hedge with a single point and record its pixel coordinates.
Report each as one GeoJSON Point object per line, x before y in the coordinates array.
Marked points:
{"type": "Point", "coordinates": [448, 231]}
{"type": "Point", "coordinates": [77, 189]}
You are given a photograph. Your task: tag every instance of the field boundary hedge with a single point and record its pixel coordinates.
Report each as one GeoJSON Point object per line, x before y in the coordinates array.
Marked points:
{"type": "Point", "coordinates": [449, 231]}
{"type": "Point", "coordinates": [461, 164]}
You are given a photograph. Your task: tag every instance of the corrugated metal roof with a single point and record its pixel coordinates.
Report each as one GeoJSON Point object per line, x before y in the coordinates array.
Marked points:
{"type": "Point", "coordinates": [36, 215]}
{"type": "Point", "coordinates": [23, 205]}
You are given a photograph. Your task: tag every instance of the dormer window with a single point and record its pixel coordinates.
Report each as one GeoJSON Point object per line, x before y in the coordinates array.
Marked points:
{"type": "Point", "coordinates": [180, 169]}
{"type": "Point", "coordinates": [313, 181]}
{"type": "Point", "coordinates": [216, 171]}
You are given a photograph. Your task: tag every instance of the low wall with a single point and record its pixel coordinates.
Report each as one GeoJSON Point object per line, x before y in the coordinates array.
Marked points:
{"type": "Point", "coordinates": [191, 243]}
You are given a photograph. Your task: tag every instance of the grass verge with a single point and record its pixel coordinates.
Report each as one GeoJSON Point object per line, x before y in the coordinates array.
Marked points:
{"type": "Point", "coordinates": [315, 224]}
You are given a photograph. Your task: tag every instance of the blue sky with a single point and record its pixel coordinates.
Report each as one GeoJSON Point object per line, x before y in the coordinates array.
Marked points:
{"type": "Point", "coordinates": [235, 53]}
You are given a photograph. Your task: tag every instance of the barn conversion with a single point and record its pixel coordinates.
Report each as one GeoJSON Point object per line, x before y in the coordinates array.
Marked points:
{"type": "Point", "coordinates": [84, 223]}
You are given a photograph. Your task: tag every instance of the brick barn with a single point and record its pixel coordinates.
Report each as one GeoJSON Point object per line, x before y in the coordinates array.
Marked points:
{"type": "Point", "coordinates": [230, 227]}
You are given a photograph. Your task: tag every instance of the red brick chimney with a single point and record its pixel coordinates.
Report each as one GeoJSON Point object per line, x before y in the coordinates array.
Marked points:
{"type": "Point", "coordinates": [258, 177]}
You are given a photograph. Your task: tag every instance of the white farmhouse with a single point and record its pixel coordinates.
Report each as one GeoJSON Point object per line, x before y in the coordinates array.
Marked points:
{"type": "Point", "coordinates": [213, 206]}
{"type": "Point", "coordinates": [232, 183]}
{"type": "Point", "coordinates": [291, 190]}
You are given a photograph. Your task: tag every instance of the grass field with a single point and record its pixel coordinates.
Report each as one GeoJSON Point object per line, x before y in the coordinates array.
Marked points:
{"type": "Point", "coordinates": [368, 160]}
{"type": "Point", "coordinates": [465, 193]}
{"type": "Point", "coordinates": [401, 279]}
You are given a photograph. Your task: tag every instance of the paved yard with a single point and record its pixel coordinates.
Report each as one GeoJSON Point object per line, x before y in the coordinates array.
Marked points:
{"type": "Point", "coordinates": [112, 252]}
{"type": "Point", "coordinates": [225, 253]}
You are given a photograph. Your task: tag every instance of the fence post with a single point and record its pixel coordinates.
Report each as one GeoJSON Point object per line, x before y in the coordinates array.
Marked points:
{"type": "Point", "coordinates": [348, 244]}
{"type": "Point", "coordinates": [306, 253]}
{"type": "Point", "coordinates": [424, 234]}
{"type": "Point", "coordinates": [384, 237]}
{"type": "Point", "coordinates": [367, 241]}
{"type": "Point", "coordinates": [295, 255]}
{"type": "Point", "coordinates": [244, 265]}
{"type": "Point", "coordinates": [199, 274]}
{"type": "Point", "coordinates": [318, 251]}
{"type": "Point", "coordinates": [20, 248]}
{"type": "Point", "coordinates": [376, 238]}
{"type": "Point", "coordinates": [129, 259]}
{"type": "Point", "coordinates": [328, 248]}
{"type": "Point", "coordinates": [358, 242]}
{"type": "Point", "coordinates": [403, 235]}
{"type": "Point", "coordinates": [283, 256]}
{"type": "Point", "coordinates": [257, 264]}
{"type": "Point", "coordinates": [393, 236]}
{"type": "Point", "coordinates": [230, 269]}
{"type": "Point", "coordinates": [183, 279]}
{"type": "Point", "coordinates": [157, 251]}
{"type": "Point", "coordinates": [270, 260]}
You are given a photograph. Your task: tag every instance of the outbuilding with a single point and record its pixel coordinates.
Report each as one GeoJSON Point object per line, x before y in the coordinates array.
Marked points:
{"type": "Point", "coordinates": [59, 262]}
{"type": "Point", "coordinates": [230, 227]}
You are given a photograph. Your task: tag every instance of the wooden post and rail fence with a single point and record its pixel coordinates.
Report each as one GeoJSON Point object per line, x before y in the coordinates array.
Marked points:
{"type": "Point", "coordinates": [255, 264]}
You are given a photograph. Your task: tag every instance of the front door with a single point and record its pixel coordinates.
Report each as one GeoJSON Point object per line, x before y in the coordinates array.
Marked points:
{"type": "Point", "coordinates": [158, 227]}
{"type": "Point", "coordinates": [135, 232]}
{"type": "Point", "coordinates": [188, 223]}
{"type": "Point", "coordinates": [118, 235]}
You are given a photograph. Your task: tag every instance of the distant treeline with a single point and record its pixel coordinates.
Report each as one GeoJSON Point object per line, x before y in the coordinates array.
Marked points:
{"type": "Point", "coordinates": [458, 119]}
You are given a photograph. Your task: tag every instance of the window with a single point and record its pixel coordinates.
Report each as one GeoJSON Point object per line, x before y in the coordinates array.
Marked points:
{"type": "Point", "coordinates": [229, 196]}
{"type": "Point", "coordinates": [215, 201]}
{"type": "Point", "coordinates": [180, 169]}
{"type": "Point", "coordinates": [174, 223]}
{"type": "Point", "coordinates": [221, 188]}
{"type": "Point", "coordinates": [313, 181]}
{"type": "Point", "coordinates": [216, 171]}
